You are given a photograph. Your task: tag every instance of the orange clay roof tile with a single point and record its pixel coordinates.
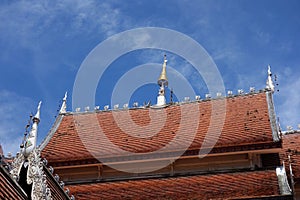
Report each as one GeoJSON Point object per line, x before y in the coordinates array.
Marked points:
{"type": "Point", "coordinates": [247, 122]}
{"type": "Point", "coordinates": [9, 189]}
{"type": "Point", "coordinates": [291, 145]}
{"type": "Point", "coordinates": [219, 186]}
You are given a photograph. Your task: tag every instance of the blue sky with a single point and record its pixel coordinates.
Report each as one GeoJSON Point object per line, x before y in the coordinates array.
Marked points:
{"type": "Point", "coordinates": [43, 44]}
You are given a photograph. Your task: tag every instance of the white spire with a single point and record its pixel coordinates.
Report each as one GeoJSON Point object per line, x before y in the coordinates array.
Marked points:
{"type": "Point", "coordinates": [30, 143]}
{"type": "Point", "coordinates": [37, 115]}
{"type": "Point", "coordinates": [162, 82]}
{"type": "Point", "coordinates": [270, 84]}
{"type": "Point", "coordinates": [30, 159]}
{"type": "Point", "coordinates": [63, 108]}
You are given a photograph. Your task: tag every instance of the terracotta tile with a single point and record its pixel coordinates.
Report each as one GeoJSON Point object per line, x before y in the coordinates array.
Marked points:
{"type": "Point", "coordinates": [220, 186]}
{"type": "Point", "coordinates": [247, 122]}
{"type": "Point", "coordinates": [291, 145]}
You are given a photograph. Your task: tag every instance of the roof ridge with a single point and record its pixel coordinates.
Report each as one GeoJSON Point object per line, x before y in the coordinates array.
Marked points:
{"type": "Point", "coordinates": [241, 94]}
{"type": "Point", "coordinates": [290, 132]}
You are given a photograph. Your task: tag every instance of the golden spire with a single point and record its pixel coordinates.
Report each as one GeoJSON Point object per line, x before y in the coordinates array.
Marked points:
{"type": "Point", "coordinates": [163, 80]}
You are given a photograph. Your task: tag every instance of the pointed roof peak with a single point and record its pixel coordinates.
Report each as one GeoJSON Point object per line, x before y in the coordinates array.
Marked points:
{"type": "Point", "coordinates": [270, 85]}
{"type": "Point", "coordinates": [65, 97]}
{"type": "Point", "coordinates": [269, 70]}
{"type": "Point", "coordinates": [63, 108]}
{"type": "Point", "coordinates": [37, 115]}
{"type": "Point", "coordinates": [30, 140]}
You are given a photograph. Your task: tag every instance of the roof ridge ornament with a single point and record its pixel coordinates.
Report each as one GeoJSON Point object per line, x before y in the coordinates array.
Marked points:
{"type": "Point", "coordinates": [37, 115]}
{"type": "Point", "coordinates": [34, 175]}
{"type": "Point", "coordinates": [162, 82]}
{"type": "Point", "coordinates": [270, 85]}
{"type": "Point", "coordinates": [63, 108]}
{"type": "Point", "coordinates": [30, 143]}
{"type": "Point", "coordinates": [29, 160]}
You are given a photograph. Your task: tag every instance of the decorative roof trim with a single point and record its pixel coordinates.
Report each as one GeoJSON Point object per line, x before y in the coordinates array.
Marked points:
{"type": "Point", "coordinates": [35, 174]}
{"type": "Point", "coordinates": [229, 96]}
{"type": "Point", "coordinates": [55, 181]}
{"type": "Point", "coordinates": [51, 132]}
{"type": "Point", "coordinates": [30, 143]}
{"type": "Point", "coordinates": [37, 115]}
{"type": "Point", "coordinates": [290, 132]}
{"type": "Point", "coordinates": [269, 83]}
{"type": "Point", "coordinates": [282, 181]}
{"type": "Point", "coordinates": [272, 116]}
{"type": "Point", "coordinates": [63, 108]}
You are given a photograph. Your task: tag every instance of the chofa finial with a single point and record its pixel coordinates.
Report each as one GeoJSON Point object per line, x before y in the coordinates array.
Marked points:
{"type": "Point", "coordinates": [63, 108]}
{"type": "Point", "coordinates": [37, 115]}
{"type": "Point", "coordinates": [270, 85]}
{"type": "Point", "coordinates": [30, 143]}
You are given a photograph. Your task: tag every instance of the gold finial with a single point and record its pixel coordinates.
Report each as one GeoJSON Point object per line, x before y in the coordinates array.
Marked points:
{"type": "Point", "coordinates": [163, 80]}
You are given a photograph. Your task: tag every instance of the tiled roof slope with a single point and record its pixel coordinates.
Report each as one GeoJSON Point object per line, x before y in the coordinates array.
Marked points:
{"type": "Point", "coordinates": [219, 186]}
{"type": "Point", "coordinates": [9, 189]}
{"type": "Point", "coordinates": [247, 122]}
{"type": "Point", "coordinates": [291, 144]}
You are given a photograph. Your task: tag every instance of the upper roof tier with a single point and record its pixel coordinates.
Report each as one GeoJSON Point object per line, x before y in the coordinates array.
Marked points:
{"type": "Point", "coordinates": [250, 123]}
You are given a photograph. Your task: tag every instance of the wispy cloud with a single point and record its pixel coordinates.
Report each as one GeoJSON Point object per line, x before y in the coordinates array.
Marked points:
{"type": "Point", "coordinates": [288, 100]}
{"type": "Point", "coordinates": [13, 111]}
{"type": "Point", "coordinates": [26, 21]}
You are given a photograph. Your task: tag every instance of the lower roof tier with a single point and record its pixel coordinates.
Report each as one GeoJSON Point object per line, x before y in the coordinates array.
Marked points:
{"type": "Point", "coordinates": [9, 189]}
{"type": "Point", "coordinates": [291, 146]}
{"type": "Point", "coordinates": [218, 186]}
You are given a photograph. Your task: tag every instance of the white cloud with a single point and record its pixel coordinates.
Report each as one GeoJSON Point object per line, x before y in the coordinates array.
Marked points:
{"type": "Point", "coordinates": [288, 102]}
{"type": "Point", "coordinates": [14, 110]}
{"type": "Point", "coordinates": [32, 19]}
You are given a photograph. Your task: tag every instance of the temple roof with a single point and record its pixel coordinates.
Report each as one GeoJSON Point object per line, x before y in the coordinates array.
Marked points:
{"type": "Point", "coordinates": [290, 144]}
{"type": "Point", "coordinates": [9, 189]}
{"type": "Point", "coordinates": [249, 121]}
{"type": "Point", "coordinates": [219, 186]}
